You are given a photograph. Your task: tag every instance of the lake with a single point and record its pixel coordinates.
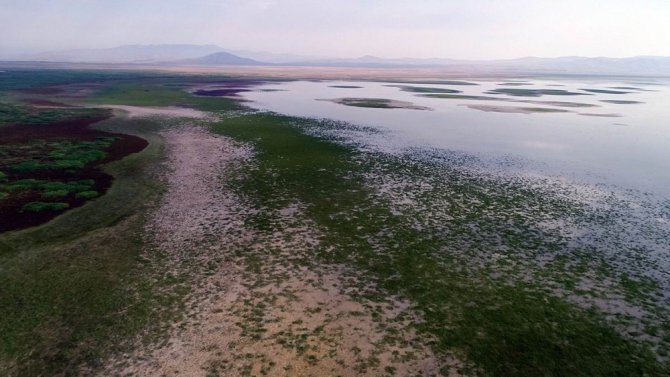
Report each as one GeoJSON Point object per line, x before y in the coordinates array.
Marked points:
{"type": "Point", "coordinates": [609, 132]}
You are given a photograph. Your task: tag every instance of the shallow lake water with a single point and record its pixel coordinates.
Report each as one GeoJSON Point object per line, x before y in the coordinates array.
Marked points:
{"type": "Point", "coordinates": [622, 145]}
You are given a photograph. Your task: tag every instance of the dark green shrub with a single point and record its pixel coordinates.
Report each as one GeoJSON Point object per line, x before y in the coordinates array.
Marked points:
{"type": "Point", "coordinates": [54, 193]}
{"type": "Point", "coordinates": [87, 195]}
{"type": "Point", "coordinates": [25, 184]}
{"type": "Point", "coordinates": [42, 206]}
{"type": "Point", "coordinates": [29, 166]}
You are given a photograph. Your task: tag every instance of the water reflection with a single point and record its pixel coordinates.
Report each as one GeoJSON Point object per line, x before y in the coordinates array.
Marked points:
{"type": "Point", "coordinates": [606, 133]}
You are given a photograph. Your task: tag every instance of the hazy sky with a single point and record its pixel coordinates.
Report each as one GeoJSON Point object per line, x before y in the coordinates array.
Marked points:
{"type": "Point", "coordinates": [347, 28]}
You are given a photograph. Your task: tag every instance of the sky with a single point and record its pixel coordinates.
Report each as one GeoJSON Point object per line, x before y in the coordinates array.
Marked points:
{"type": "Point", "coordinates": [460, 29]}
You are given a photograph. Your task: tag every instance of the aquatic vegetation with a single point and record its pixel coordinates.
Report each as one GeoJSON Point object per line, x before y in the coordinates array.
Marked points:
{"type": "Point", "coordinates": [517, 92]}
{"type": "Point", "coordinates": [628, 88]}
{"type": "Point", "coordinates": [442, 82]}
{"type": "Point", "coordinates": [423, 89]}
{"type": "Point", "coordinates": [515, 83]}
{"type": "Point", "coordinates": [602, 115]}
{"type": "Point", "coordinates": [605, 91]}
{"type": "Point", "coordinates": [376, 103]}
{"type": "Point", "coordinates": [461, 96]}
{"type": "Point", "coordinates": [227, 92]}
{"type": "Point", "coordinates": [620, 102]}
{"type": "Point", "coordinates": [488, 98]}
{"type": "Point", "coordinates": [513, 109]}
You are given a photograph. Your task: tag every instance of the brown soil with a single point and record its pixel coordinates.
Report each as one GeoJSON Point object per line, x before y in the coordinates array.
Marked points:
{"type": "Point", "coordinates": [11, 215]}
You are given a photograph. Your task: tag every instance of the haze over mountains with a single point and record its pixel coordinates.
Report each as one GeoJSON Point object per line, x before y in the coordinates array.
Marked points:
{"type": "Point", "coordinates": [212, 55]}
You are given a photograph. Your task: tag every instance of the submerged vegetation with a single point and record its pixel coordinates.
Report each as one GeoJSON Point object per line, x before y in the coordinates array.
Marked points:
{"type": "Point", "coordinates": [518, 110]}
{"type": "Point", "coordinates": [423, 89]}
{"type": "Point", "coordinates": [376, 103]}
{"type": "Point", "coordinates": [519, 92]}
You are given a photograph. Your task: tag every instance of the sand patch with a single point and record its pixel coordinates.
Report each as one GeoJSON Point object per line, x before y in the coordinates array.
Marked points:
{"type": "Point", "coordinates": [172, 111]}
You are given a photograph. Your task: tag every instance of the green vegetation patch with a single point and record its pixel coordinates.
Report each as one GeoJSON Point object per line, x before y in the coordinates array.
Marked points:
{"type": "Point", "coordinates": [22, 114]}
{"type": "Point", "coordinates": [605, 91]}
{"type": "Point", "coordinates": [621, 102]}
{"type": "Point", "coordinates": [519, 92]}
{"type": "Point", "coordinates": [499, 328]}
{"type": "Point", "coordinates": [424, 89]}
{"type": "Point", "coordinates": [138, 94]}
{"type": "Point", "coordinates": [54, 193]}
{"type": "Point", "coordinates": [376, 103]}
{"type": "Point", "coordinates": [59, 155]}
{"type": "Point", "coordinates": [442, 82]}
{"type": "Point", "coordinates": [460, 96]}
{"type": "Point", "coordinates": [45, 206]}
{"type": "Point", "coordinates": [90, 194]}
{"type": "Point", "coordinates": [49, 186]}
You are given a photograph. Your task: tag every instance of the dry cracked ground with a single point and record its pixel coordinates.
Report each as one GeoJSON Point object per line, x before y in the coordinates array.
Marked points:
{"type": "Point", "coordinates": [258, 306]}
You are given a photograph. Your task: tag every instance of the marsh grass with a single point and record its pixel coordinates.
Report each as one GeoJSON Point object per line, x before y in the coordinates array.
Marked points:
{"type": "Point", "coordinates": [20, 114]}
{"type": "Point", "coordinates": [519, 92]}
{"type": "Point", "coordinates": [499, 328]}
{"type": "Point", "coordinates": [55, 155]}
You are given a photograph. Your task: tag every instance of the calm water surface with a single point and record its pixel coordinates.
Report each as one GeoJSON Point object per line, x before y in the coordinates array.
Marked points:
{"type": "Point", "coordinates": [626, 146]}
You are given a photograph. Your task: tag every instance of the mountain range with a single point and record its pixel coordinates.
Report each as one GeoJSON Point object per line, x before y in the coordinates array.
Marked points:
{"type": "Point", "coordinates": [212, 55]}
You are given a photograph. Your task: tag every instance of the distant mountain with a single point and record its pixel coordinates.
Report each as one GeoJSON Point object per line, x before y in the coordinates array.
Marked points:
{"type": "Point", "coordinates": [633, 66]}
{"type": "Point", "coordinates": [375, 62]}
{"type": "Point", "coordinates": [128, 54]}
{"type": "Point", "coordinates": [271, 57]}
{"type": "Point", "coordinates": [212, 55]}
{"type": "Point", "coordinates": [221, 58]}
